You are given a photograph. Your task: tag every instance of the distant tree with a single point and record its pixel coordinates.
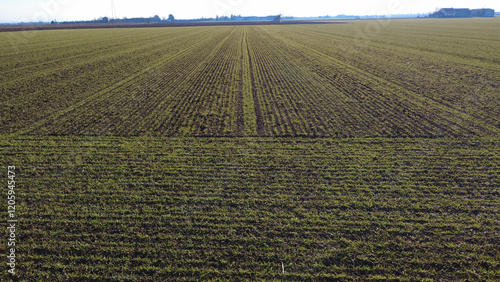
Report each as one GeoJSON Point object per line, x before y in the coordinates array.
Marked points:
{"type": "Point", "coordinates": [156, 19]}
{"type": "Point", "coordinates": [105, 19]}
{"type": "Point", "coordinates": [171, 18]}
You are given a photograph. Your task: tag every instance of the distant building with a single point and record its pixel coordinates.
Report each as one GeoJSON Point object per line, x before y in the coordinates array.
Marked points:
{"type": "Point", "coordinates": [268, 18]}
{"type": "Point", "coordinates": [452, 13]}
{"type": "Point", "coordinates": [485, 13]}
{"type": "Point", "coordinates": [462, 13]}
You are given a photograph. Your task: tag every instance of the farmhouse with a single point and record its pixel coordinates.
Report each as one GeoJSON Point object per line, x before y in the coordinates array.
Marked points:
{"type": "Point", "coordinates": [463, 13]}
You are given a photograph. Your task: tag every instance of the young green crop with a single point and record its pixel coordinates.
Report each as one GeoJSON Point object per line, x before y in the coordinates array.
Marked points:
{"type": "Point", "coordinates": [205, 153]}
{"type": "Point", "coordinates": [303, 80]}
{"type": "Point", "coordinates": [237, 208]}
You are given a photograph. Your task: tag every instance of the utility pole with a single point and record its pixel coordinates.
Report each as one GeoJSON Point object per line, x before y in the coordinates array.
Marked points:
{"type": "Point", "coordinates": [113, 10]}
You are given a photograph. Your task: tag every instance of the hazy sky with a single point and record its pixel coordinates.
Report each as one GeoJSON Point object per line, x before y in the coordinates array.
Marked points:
{"type": "Point", "coordinates": [63, 10]}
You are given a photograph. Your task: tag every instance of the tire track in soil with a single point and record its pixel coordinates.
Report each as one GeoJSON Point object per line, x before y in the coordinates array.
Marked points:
{"type": "Point", "coordinates": [258, 112]}
{"type": "Point", "coordinates": [241, 113]}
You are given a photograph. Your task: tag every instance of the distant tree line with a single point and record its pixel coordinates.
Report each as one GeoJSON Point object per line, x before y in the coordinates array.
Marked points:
{"type": "Point", "coordinates": [155, 19]}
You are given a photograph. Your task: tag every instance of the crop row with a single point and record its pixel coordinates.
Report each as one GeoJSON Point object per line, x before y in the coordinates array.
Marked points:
{"type": "Point", "coordinates": [242, 81]}
{"type": "Point", "coordinates": [237, 208]}
{"type": "Point", "coordinates": [59, 86]}
{"type": "Point", "coordinates": [372, 106]}
{"type": "Point", "coordinates": [195, 93]}
{"type": "Point", "coordinates": [441, 63]}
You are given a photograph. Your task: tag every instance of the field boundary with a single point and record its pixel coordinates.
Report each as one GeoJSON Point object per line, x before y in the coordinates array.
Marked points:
{"type": "Point", "coordinates": [16, 28]}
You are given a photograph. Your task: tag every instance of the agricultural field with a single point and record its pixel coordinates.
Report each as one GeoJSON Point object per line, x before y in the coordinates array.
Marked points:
{"type": "Point", "coordinates": [237, 208]}
{"type": "Point", "coordinates": [294, 80]}
{"type": "Point", "coordinates": [361, 150]}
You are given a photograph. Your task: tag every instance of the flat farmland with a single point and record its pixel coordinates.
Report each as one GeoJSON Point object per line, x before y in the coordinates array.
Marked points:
{"type": "Point", "coordinates": [294, 80]}
{"type": "Point", "coordinates": [357, 151]}
{"type": "Point", "coordinates": [237, 208]}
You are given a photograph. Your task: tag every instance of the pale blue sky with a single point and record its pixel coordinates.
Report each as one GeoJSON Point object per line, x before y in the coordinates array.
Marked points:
{"type": "Point", "coordinates": [63, 10]}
